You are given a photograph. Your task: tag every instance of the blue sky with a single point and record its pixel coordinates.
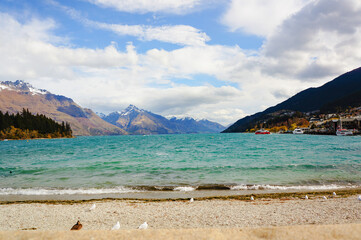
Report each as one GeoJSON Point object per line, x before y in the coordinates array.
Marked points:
{"type": "Point", "coordinates": [219, 60]}
{"type": "Point", "coordinates": [206, 19]}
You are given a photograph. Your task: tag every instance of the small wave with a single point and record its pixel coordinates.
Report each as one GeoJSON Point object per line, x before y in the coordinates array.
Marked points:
{"type": "Point", "coordinates": [120, 190]}
{"type": "Point", "coordinates": [300, 187]}
{"type": "Point", "coordinates": [213, 187]}
{"type": "Point", "coordinates": [154, 188]}
{"type": "Point", "coordinates": [184, 189]}
{"type": "Point", "coordinates": [45, 191]}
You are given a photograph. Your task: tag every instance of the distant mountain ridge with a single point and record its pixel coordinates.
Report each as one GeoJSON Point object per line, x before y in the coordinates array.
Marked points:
{"type": "Point", "coordinates": [14, 96]}
{"type": "Point", "coordinates": [139, 121]}
{"type": "Point", "coordinates": [339, 93]}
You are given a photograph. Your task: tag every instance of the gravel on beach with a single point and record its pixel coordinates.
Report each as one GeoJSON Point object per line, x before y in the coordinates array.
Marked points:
{"type": "Point", "coordinates": [180, 214]}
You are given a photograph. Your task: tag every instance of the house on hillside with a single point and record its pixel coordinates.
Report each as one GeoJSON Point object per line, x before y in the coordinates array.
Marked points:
{"type": "Point", "coordinates": [350, 123]}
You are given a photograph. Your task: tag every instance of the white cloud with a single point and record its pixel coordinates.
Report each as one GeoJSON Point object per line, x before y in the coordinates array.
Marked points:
{"type": "Point", "coordinates": [259, 17]}
{"type": "Point", "coordinates": [321, 40]}
{"type": "Point", "coordinates": [176, 34]}
{"type": "Point", "coordinates": [108, 79]}
{"type": "Point", "coordinates": [144, 6]}
{"type": "Point", "coordinates": [317, 43]}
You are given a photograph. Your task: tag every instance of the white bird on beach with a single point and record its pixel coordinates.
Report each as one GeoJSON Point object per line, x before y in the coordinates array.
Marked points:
{"type": "Point", "coordinates": [143, 226]}
{"type": "Point", "coordinates": [334, 194]}
{"type": "Point", "coordinates": [252, 198]}
{"type": "Point", "coordinates": [306, 197]}
{"type": "Point", "coordinates": [191, 200]}
{"type": "Point", "coordinates": [324, 197]}
{"type": "Point", "coordinates": [116, 226]}
{"type": "Point", "coordinates": [359, 197]}
{"type": "Point", "coordinates": [92, 207]}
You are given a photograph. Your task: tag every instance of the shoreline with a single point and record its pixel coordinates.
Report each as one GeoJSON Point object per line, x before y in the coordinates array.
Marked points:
{"type": "Point", "coordinates": [163, 196]}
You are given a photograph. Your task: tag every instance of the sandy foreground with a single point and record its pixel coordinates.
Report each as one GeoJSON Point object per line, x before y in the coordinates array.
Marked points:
{"type": "Point", "coordinates": [319, 232]}
{"type": "Point", "coordinates": [334, 218]}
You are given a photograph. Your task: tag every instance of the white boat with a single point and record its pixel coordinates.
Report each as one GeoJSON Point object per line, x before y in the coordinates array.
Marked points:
{"type": "Point", "coordinates": [298, 131]}
{"type": "Point", "coordinates": [344, 132]}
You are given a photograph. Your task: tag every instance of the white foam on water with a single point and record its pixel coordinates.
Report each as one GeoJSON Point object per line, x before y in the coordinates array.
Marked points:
{"type": "Point", "coordinates": [184, 189]}
{"type": "Point", "coordinates": [301, 187]}
{"type": "Point", "coordinates": [239, 187]}
{"type": "Point", "coordinates": [44, 191]}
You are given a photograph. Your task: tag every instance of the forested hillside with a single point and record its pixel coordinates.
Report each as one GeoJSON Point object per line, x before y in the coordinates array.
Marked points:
{"type": "Point", "coordinates": [25, 125]}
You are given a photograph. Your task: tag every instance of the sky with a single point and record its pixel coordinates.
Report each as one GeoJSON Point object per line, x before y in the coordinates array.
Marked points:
{"type": "Point", "coordinates": [214, 59]}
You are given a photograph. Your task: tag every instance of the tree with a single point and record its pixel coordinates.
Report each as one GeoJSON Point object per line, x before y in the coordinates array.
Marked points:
{"type": "Point", "coordinates": [25, 125]}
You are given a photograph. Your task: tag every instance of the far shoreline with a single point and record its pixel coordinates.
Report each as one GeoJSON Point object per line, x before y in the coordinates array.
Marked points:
{"type": "Point", "coordinates": [178, 196]}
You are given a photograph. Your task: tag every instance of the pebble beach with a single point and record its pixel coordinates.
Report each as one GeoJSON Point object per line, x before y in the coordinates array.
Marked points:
{"type": "Point", "coordinates": [180, 214]}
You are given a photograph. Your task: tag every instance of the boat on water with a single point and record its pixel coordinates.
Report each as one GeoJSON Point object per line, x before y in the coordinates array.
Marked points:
{"type": "Point", "coordinates": [298, 131]}
{"type": "Point", "coordinates": [344, 132]}
{"type": "Point", "coordinates": [262, 131]}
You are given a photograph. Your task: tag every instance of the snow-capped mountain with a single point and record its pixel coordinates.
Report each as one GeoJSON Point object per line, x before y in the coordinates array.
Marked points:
{"type": "Point", "coordinates": [130, 109]}
{"type": "Point", "coordinates": [139, 121]}
{"type": "Point", "coordinates": [15, 96]}
{"type": "Point", "coordinates": [191, 125]}
{"type": "Point", "coordinates": [22, 86]}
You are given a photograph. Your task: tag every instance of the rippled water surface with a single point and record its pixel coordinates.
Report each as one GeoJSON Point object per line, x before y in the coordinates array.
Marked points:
{"type": "Point", "coordinates": [199, 161]}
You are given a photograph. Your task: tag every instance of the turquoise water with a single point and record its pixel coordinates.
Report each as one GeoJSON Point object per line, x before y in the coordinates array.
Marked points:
{"type": "Point", "coordinates": [179, 162]}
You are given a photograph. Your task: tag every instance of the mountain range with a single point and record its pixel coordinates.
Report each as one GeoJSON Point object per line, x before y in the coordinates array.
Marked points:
{"type": "Point", "coordinates": [139, 121]}
{"type": "Point", "coordinates": [15, 96]}
{"type": "Point", "coordinates": [336, 95]}
{"type": "Point", "coordinates": [19, 95]}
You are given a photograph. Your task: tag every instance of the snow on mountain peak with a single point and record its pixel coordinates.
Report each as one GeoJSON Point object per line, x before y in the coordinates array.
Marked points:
{"type": "Point", "coordinates": [100, 114]}
{"type": "Point", "coordinates": [181, 118]}
{"type": "Point", "coordinates": [129, 109]}
{"type": "Point", "coordinates": [20, 85]}
{"type": "Point", "coordinates": [3, 86]}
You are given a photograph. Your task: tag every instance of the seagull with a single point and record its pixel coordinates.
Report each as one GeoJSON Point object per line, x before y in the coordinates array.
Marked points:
{"type": "Point", "coordinates": [143, 226]}
{"type": "Point", "coordinates": [359, 197]}
{"type": "Point", "coordinates": [77, 226]}
{"type": "Point", "coordinates": [306, 197]}
{"type": "Point", "coordinates": [191, 200]}
{"type": "Point", "coordinates": [116, 226]}
{"type": "Point", "coordinates": [334, 194]}
{"type": "Point", "coordinates": [92, 207]}
{"type": "Point", "coordinates": [324, 197]}
{"type": "Point", "coordinates": [252, 198]}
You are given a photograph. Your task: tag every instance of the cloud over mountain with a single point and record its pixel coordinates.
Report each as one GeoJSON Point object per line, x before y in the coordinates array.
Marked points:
{"type": "Point", "coordinates": [194, 73]}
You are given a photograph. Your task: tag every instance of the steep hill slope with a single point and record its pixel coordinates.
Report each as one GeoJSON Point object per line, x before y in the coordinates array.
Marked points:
{"type": "Point", "coordinates": [341, 92]}
{"type": "Point", "coordinates": [14, 96]}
